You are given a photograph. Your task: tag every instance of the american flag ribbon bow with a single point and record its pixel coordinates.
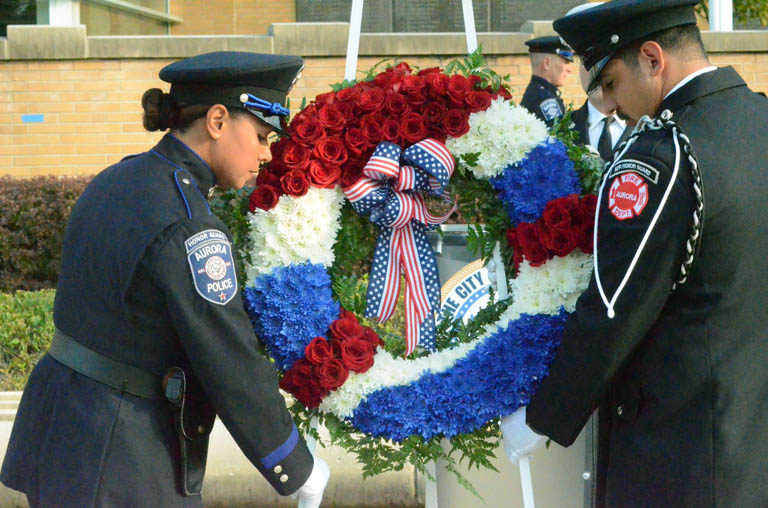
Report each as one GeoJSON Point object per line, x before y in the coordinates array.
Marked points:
{"type": "Point", "coordinates": [390, 194]}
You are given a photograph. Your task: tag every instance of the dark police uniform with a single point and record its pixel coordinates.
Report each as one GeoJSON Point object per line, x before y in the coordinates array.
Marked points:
{"type": "Point", "coordinates": [148, 282]}
{"type": "Point", "coordinates": [541, 97]}
{"type": "Point", "coordinates": [679, 375]}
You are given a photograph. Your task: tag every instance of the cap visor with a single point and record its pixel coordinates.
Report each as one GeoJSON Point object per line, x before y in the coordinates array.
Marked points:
{"type": "Point", "coordinates": [272, 121]}
{"type": "Point", "coordinates": [594, 74]}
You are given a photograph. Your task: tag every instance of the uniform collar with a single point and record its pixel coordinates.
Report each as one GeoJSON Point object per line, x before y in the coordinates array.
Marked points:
{"type": "Point", "coordinates": [700, 86]}
{"type": "Point", "coordinates": [178, 152]}
{"type": "Point", "coordinates": [546, 84]}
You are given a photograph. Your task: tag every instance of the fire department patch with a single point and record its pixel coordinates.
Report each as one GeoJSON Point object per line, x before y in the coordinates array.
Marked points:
{"type": "Point", "coordinates": [213, 269]}
{"type": "Point", "coordinates": [627, 196]}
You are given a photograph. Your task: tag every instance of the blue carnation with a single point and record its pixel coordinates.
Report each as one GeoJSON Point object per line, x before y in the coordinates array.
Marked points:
{"type": "Point", "coordinates": [289, 307]}
{"type": "Point", "coordinates": [494, 379]}
{"type": "Point", "coordinates": [545, 174]}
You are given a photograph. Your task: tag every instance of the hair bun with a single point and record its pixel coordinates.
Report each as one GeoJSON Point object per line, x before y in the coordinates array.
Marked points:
{"type": "Point", "coordinates": [158, 107]}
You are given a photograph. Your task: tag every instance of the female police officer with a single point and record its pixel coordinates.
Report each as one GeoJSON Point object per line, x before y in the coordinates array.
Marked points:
{"type": "Point", "coordinates": [151, 337]}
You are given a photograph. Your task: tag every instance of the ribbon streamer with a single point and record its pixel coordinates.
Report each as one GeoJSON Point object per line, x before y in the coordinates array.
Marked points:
{"type": "Point", "coordinates": [390, 194]}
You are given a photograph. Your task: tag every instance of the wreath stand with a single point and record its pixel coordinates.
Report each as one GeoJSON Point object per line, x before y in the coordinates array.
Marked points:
{"type": "Point", "coordinates": [353, 45]}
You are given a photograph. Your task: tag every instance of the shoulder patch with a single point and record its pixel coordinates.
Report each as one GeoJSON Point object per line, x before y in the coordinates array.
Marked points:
{"type": "Point", "coordinates": [627, 196]}
{"type": "Point", "coordinates": [550, 109]}
{"type": "Point", "coordinates": [635, 166]}
{"type": "Point", "coordinates": [213, 269]}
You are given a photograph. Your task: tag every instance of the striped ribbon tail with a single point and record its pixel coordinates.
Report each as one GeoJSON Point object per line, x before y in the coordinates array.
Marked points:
{"type": "Point", "coordinates": [389, 193]}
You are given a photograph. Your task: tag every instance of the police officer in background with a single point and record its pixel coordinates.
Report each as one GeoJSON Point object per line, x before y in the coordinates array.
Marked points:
{"type": "Point", "coordinates": [151, 340]}
{"type": "Point", "coordinates": [550, 65]}
{"type": "Point", "coordinates": [670, 340]}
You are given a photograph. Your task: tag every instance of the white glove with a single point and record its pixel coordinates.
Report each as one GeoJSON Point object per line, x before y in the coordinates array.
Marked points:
{"type": "Point", "coordinates": [519, 439]}
{"type": "Point", "coordinates": [311, 493]}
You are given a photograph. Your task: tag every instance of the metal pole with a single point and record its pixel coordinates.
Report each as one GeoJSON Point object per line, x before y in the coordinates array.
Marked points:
{"type": "Point", "coordinates": [469, 25]}
{"type": "Point", "coordinates": [353, 44]}
{"type": "Point", "coordinates": [721, 15]}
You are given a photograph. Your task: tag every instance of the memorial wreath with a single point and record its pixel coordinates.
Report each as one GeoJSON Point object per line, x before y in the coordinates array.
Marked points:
{"type": "Point", "coordinates": [338, 221]}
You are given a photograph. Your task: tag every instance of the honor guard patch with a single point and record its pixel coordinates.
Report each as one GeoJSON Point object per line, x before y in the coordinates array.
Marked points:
{"type": "Point", "coordinates": [550, 109]}
{"type": "Point", "coordinates": [647, 171]}
{"type": "Point", "coordinates": [627, 196]}
{"type": "Point", "coordinates": [213, 269]}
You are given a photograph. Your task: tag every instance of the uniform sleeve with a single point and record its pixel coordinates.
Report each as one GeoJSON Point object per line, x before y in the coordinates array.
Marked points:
{"type": "Point", "coordinates": [194, 267]}
{"type": "Point", "coordinates": [594, 347]}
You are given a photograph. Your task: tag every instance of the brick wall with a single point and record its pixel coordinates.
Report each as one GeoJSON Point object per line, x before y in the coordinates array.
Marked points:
{"type": "Point", "coordinates": [231, 17]}
{"type": "Point", "coordinates": [92, 113]}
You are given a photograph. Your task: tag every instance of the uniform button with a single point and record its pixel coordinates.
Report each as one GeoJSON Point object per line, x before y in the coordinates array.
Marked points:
{"type": "Point", "coordinates": [201, 429]}
{"type": "Point", "coordinates": [284, 478]}
{"type": "Point", "coordinates": [278, 469]}
{"type": "Point", "coordinates": [586, 475]}
{"type": "Point", "coordinates": [620, 410]}
{"type": "Point", "coordinates": [185, 180]}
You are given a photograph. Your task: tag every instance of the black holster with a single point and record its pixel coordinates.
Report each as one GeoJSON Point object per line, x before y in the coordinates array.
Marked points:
{"type": "Point", "coordinates": [193, 417]}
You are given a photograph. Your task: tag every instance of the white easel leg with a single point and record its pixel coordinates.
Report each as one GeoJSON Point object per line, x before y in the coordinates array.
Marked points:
{"type": "Point", "coordinates": [525, 480]}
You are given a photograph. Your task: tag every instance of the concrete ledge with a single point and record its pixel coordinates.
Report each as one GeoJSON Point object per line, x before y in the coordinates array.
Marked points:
{"type": "Point", "coordinates": [310, 39]}
{"type": "Point", "coordinates": [44, 42]}
{"type": "Point", "coordinates": [538, 28]}
{"type": "Point", "coordinates": [742, 41]}
{"type": "Point", "coordinates": [3, 48]}
{"type": "Point", "coordinates": [408, 44]}
{"type": "Point", "coordinates": [176, 46]}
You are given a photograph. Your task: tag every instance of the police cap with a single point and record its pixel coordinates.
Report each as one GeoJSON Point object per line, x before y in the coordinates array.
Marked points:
{"type": "Point", "coordinates": [596, 34]}
{"type": "Point", "coordinates": [550, 44]}
{"type": "Point", "coordinates": [256, 82]}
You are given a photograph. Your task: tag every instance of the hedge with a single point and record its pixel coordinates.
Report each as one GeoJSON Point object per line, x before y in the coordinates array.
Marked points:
{"type": "Point", "coordinates": [26, 329]}
{"type": "Point", "coordinates": [33, 217]}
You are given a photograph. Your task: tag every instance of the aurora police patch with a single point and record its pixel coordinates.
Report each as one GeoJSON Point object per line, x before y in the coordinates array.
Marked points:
{"type": "Point", "coordinates": [550, 109]}
{"type": "Point", "coordinates": [213, 269]}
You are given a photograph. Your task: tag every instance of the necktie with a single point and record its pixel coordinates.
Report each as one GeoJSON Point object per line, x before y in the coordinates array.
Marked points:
{"type": "Point", "coordinates": [605, 143]}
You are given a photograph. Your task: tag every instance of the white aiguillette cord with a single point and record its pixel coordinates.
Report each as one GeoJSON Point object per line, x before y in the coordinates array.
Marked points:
{"type": "Point", "coordinates": [612, 302]}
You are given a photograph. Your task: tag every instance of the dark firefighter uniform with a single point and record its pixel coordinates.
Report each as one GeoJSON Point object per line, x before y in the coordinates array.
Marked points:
{"type": "Point", "coordinates": [148, 283]}
{"type": "Point", "coordinates": [680, 375]}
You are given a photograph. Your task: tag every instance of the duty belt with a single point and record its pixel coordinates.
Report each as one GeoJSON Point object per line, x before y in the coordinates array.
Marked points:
{"type": "Point", "coordinates": [98, 367]}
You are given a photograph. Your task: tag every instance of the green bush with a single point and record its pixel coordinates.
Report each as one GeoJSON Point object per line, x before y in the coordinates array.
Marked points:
{"type": "Point", "coordinates": [33, 217]}
{"type": "Point", "coordinates": [26, 329]}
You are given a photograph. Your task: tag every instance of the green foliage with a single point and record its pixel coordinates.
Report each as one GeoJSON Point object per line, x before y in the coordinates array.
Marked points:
{"type": "Point", "coordinates": [589, 166]}
{"type": "Point", "coordinates": [355, 242]}
{"type": "Point", "coordinates": [33, 218]}
{"type": "Point", "coordinates": [231, 206]}
{"type": "Point", "coordinates": [475, 64]}
{"type": "Point", "coordinates": [744, 10]}
{"type": "Point", "coordinates": [26, 329]}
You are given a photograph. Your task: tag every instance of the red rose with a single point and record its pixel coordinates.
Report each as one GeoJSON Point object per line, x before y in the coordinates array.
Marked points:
{"type": "Point", "coordinates": [390, 130]}
{"type": "Point", "coordinates": [433, 112]}
{"type": "Point", "coordinates": [351, 172]}
{"type": "Point", "coordinates": [294, 183]}
{"type": "Point", "coordinates": [478, 101]}
{"type": "Point", "coordinates": [560, 242]}
{"type": "Point", "coordinates": [456, 123]}
{"type": "Point", "coordinates": [473, 79]}
{"type": "Point", "coordinates": [371, 337]}
{"type": "Point", "coordinates": [347, 110]}
{"type": "Point", "coordinates": [385, 79]}
{"type": "Point", "coordinates": [397, 104]}
{"type": "Point", "coordinates": [332, 373]}
{"type": "Point", "coordinates": [348, 94]}
{"type": "Point", "coordinates": [504, 93]}
{"type": "Point", "coordinates": [325, 98]}
{"type": "Point", "coordinates": [413, 85]}
{"type": "Point", "coordinates": [331, 151]}
{"type": "Point", "coordinates": [264, 197]}
{"type": "Point", "coordinates": [306, 132]}
{"type": "Point", "coordinates": [370, 100]}
{"type": "Point", "coordinates": [587, 206]}
{"type": "Point", "coordinates": [331, 118]}
{"type": "Point", "coordinates": [356, 141]}
{"type": "Point", "coordinates": [357, 355]}
{"type": "Point", "coordinates": [295, 156]}
{"type": "Point", "coordinates": [530, 243]}
{"type": "Point", "coordinates": [412, 128]}
{"type": "Point", "coordinates": [371, 128]}
{"type": "Point", "coordinates": [437, 133]}
{"type": "Point", "coordinates": [586, 237]}
{"type": "Point", "coordinates": [302, 383]}
{"type": "Point", "coordinates": [345, 314]}
{"type": "Point", "coordinates": [515, 244]}
{"type": "Point", "coordinates": [556, 215]}
{"type": "Point", "coordinates": [438, 84]}
{"type": "Point", "coordinates": [267, 177]}
{"type": "Point", "coordinates": [322, 175]}
{"type": "Point", "coordinates": [346, 329]}
{"type": "Point", "coordinates": [458, 88]}
{"type": "Point", "coordinates": [402, 69]}
{"type": "Point", "coordinates": [278, 147]}
{"type": "Point", "coordinates": [318, 351]}
{"type": "Point", "coordinates": [429, 70]}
